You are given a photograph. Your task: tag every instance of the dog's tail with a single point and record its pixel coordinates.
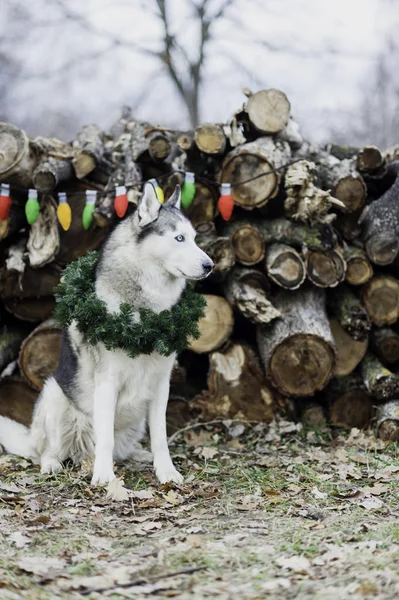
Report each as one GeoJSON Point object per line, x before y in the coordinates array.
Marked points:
{"type": "Point", "coordinates": [16, 438]}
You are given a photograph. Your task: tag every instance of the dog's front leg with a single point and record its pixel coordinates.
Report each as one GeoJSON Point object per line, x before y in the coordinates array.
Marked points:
{"type": "Point", "coordinates": [105, 397]}
{"type": "Point", "coordinates": [163, 466]}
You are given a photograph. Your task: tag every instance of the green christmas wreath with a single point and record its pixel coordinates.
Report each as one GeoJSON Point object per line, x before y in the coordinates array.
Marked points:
{"type": "Point", "coordinates": [166, 332]}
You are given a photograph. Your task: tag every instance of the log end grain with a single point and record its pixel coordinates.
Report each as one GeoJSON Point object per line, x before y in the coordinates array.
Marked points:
{"type": "Point", "coordinates": [215, 327]}
{"type": "Point", "coordinates": [248, 244]}
{"type": "Point", "coordinates": [380, 297]}
{"type": "Point", "coordinates": [350, 352]}
{"type": "Point", "coordinates": [325, 268]}
{"type": "Point", "coordinates": [269, 110]}
{"type": "Point", "coordinates": [301, 365]}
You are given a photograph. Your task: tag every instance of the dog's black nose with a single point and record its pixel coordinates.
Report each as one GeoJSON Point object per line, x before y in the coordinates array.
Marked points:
{"type": "Point", "coordinates": [207, 266]}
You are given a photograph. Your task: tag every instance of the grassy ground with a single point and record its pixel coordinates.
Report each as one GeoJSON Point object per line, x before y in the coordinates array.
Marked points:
{"type": "Point", "coordinates": [265, 512]}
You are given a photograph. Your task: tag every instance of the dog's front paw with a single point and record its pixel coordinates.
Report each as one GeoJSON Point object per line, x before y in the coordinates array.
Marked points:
{"type": "Point", "coordinates": [102, 476]}
{"type": "Point", "coordinates": [49, 466]}
{"type": "Point", "coordinates": [170, 474]}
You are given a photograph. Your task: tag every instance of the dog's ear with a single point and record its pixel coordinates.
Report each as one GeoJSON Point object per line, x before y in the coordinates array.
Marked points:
{"type": "Point", "coordinates": [148, 207]}
{"type": "Point", "coordinates": [175, 198]}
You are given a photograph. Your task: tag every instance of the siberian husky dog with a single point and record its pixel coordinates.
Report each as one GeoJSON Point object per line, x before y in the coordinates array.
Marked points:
{"type": "Point", "coordinates": [98, 401]}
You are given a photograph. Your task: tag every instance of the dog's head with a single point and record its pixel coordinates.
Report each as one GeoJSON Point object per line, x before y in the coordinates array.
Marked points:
{"type": "Point", "coordinates": [167, 237]}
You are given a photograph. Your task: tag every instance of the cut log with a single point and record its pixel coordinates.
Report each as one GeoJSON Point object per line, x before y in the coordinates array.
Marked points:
{"type": "Point", "coordinates": [349, 312]}
{"type": "Point", "coordinates": [311, 414]}
{"type": "Point", "coordinates": [380, 227]}
{"type": "Point", "coordinates": [204, 206]}
{"type": "Point", "coordinates": [40, 353]}
{"type": "Point", "coordinates": [387, 421]}
{"type": "Point", "coordinates": [305, 201]}
{"type": "Point", "coordinates": [370, 158]}
{"type": "Point", "coordinates": [44, 239]}
{"type": "Point", "coordinates": [380, 298]}
{"type": "Point", "coordinates": [159, 144]}
{"type": "Point", "coordinates": [247, 241]}
{"type": "Point", "coordinates": [284, 266]}
{"type": "Point", "coordinates": [210, 138]}
{"type": "Point", "coordinates": [18, 158]}
{"type": "Point", "coordinates": [215, 327]}
{"type": "Point", "coordinates": [10, 342]}
{"type": "Point", "coordinates": [17, 400]}
{"type": "Point", "coordinates": [91, 150]}
{"type": "Point", "coordinates": [219, 249]}
{"type": "Point", "coordinates": [349, 404]}
{"type": "Point", "coordinates": [247, 291]}
{"type": "Point", "coordinates": [379, 381]}
{"type": "Point", "coordinates": [50, 172]}
{"type": "Point", "coordinates": [268, 111]}
{"type": "Point", "coordinates": [348, 225]}
{"type": "Point", "coordinates": [257, 160]}
{"type": "Point", "coordinates": [358, 267]}
{"type": "Point", "coordinates": [385, 343]}
{"type": "Point", "coordinates": [30, 309]}
{"type": "Point", "coordinates": [344, 181]}
{"type": "Point", "coordinates": [325, 268]}
{"type": "Point", "coordinates": [350, 352]}
{"type": "Point", "coordinates": [298, 350]}
{"type": "Point", "coordinates": [32, 283]}
{"type": "Point", "coordinates": [237, 387]}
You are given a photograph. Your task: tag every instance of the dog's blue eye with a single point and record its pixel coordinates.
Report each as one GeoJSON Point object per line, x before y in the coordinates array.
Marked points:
{"type": "Point", "coordinates": [179, 238]}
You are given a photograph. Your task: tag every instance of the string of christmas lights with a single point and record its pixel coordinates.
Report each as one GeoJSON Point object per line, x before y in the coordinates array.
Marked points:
{"type": "Point", "coordinates": [121, 201]}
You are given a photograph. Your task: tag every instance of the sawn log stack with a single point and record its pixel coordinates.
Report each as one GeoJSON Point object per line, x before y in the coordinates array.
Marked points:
{"type": "Point", "coordinates": [303, 304]}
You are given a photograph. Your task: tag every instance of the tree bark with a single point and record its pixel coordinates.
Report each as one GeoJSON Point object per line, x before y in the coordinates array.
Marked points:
{"type": "Point", "coordinates": [255, 159]}
{"type": "Point", "coordinates": [349, 312]}
{"type": "Point", "coordinates": [387, 421]}
{"type": "Point", "coordinates": [358, 267]}
{"type": "Point", "coordinates": [344, 181]}
{"type": "Point", "coordinates": [380, 227]}
{"type": "Point", "coordinates": [380, 298]}
{"type": "Point", "coordinates": [18, 156]}
{"type": "Point", "coordinates": [215, 327]}
{"type": "Point", "coordinates": [298, 349]}
{"type": "Point", "coordinates": [305, 201]}
{"type": "Point", "coordinates": [50, 172]}
{"type": "Point", "coordinates": [17, 400]}
{"type": "Point", "coordinates": [247, 242]}
{"type": "Point", "coordinates": [219, 249]}
{"type": "Point", "coordinates": [379, 381]}
{"type": "Point", "coordinates": [247, 291]}
{"type": "Point", "coordinates": [385, 343]}
{"type": "Point", "coordinates": [40, 353]}
{"type": "Point", "coordinates": [317, 237]}
{"type": "Point", "coordinates": [210, 138]}
{"type": "Point", "coordinates": [236, 387]}
{"type": "Point", "coordinates": [44, 238]}
{"type": "Point", "coordinates": [350, 352]}
{"type": "Point", "coordinates": [90, 152]}
{"type": "Point", "coordinates": [349, 404]}
{"type": "Point", "coordinates": [284, 266]}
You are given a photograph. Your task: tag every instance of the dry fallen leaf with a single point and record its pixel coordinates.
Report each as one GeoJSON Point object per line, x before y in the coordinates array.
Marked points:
{"type": "Point", "coordinates": [318, 494]}
{"type": "Point", "coordinates": [172, 498]}
{"type": "Point", "coordinates": [376, 490]}
{"type": "Point", "coordinates": [371, 503]}
{"type": "Point", "coordinates": [196, 541]}
{"type": "Point", "coordinates": [209, 453]}
{"type": "Point", "coordinates": [19, 539]}
{"type": "Point", "coordinates": [116, 490]}
{"type": "Point", "coordinates": [43, 566]}
{"type": "Point", "coordinates": [294, 563]}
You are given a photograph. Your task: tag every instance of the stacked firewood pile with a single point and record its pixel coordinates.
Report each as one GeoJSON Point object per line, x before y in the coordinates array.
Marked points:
{"type": "Point", "coordinates": [304, 299]}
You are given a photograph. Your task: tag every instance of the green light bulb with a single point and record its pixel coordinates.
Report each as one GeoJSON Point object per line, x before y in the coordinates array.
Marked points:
{"type": "Point", "coordinates": [87, 217]}
{"type": "Point", "coordinates": [32, 207]}
{"type": "Point", "coordinates": [188, 190]}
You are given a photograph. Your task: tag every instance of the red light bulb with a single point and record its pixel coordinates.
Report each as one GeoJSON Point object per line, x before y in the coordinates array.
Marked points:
{"type": "Point", "coordinates": [226, 202]}
{"type": "Point", "coordinates": [121, 202]}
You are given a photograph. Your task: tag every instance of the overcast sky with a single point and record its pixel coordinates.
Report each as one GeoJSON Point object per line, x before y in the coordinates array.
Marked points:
{"type": "Point", "coordinates": [320, 53]}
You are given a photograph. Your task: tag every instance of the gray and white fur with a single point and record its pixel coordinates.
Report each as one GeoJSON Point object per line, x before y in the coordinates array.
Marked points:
{"type": "Point", "coordinates": [98, 402]}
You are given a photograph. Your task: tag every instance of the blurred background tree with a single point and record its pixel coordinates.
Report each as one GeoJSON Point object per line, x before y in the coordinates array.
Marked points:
{"type": "Point", "coordinates": [64, 63]}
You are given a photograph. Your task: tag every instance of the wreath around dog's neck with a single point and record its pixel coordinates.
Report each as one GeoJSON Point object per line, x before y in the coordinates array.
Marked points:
{"type": "Point", "coordinates": [166, 332]}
